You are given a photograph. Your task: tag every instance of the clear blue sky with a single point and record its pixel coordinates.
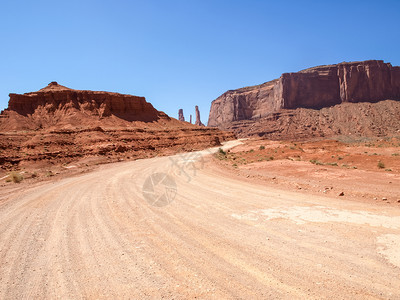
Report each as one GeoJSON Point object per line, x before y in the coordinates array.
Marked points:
{"type": "Point", "coordinates": [182, 53]}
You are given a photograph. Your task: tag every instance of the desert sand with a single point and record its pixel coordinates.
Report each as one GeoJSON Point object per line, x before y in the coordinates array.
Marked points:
{"type": "Point", "coordinates": [217, 235]}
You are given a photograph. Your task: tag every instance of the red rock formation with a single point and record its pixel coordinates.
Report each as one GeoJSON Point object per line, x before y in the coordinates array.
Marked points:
{"type": "Point", "coordinates": [198, 121]}
{"type": "Point", "coordinates": [102, 104]}
{"type": "Point", "coordinates": [352, 120]}
{"type": "Point", "coordinates": [181, 117]}
{"type": "Point", "coordinates": [323, 86]}
{"type": "Point", "coordinates": [57, 125]}
{"type": "Point", "coordinates": [57, 105]}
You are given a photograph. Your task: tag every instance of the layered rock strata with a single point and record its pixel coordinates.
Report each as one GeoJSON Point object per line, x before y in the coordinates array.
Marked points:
{"type": "Point", "coordinates": [318, 87]}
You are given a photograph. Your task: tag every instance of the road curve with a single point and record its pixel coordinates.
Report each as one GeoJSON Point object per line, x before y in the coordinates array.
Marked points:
{"type": "Point", "coordinates": [123, 232]}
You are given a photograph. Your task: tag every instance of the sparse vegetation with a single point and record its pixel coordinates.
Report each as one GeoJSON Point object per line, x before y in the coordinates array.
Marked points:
{"type": "Point", "coordinates": [381, 165]}
{"type": "Point", "coordinates": [49, 174]}
{"type": "Point", "coordinates": [319, 163]}
{"type": "Point", "coordinates": [221, 154]}
{"type": "Point", "coordinates": [15, 177]}
{"type": "Point", "coordinates": [334, 155]}
{"type": "Point", "coordinates": [316, 162]}
{"type": "Point", "coordinates": [266, 158]}
{"type": "Point", "coordinates": [221, 151]}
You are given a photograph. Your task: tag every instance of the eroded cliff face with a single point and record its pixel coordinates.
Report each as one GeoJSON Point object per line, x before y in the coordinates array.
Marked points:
{"type": "Point", "coordinates": [318, 87]}
{"type": "Point", "coordinates": [57, 102]}
{"type": "Point", "coordinates": [58, 125]}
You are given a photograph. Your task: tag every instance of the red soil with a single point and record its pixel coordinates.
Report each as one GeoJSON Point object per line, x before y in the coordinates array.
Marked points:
{"type": "Point", "coordinates": [367, 170]}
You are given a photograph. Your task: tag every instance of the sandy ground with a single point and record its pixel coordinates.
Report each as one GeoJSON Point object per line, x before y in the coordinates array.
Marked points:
{"type": "Point", "coordinates": [320, 167]}
{"type": "Point", "coordinates": [170, 227]}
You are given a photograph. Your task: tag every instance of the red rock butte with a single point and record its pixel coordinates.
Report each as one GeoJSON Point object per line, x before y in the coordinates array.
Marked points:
{"type": "Point", "coordinates": [58, 125]}
{"type": "Point", "coordinates": [317, 87]}
{"type": "Point", "coordinates": [102, 104]}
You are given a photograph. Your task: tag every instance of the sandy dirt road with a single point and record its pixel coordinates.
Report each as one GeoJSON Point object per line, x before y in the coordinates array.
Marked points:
{"type": "Point", "coordinates": [98, 236]}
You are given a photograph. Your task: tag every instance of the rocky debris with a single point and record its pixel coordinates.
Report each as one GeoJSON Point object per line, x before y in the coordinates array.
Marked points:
{"type": "Point", "coordinates": [347, 119]}
{"type": "Point", "coordinates": [341, 194]}
{"type": "Point", "coordinates": [318, 87]}
{"type": "Point", "coordinates": [198, 121]}
{"type": "Point", "coordinates": [181, 117]}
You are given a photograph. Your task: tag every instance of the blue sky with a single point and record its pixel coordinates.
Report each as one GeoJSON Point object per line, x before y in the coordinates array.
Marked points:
{"type": "Point", "coordinates": [182, 53]}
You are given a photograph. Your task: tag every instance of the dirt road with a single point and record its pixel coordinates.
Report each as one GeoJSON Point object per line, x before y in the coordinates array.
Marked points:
{"type": "Point", "coordinates": [106, 235]}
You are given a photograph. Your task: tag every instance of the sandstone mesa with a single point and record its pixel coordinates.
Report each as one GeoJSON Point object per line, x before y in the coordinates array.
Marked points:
{"type": "Point", "coordinates": [59, 125]}
{"type": "Point", "coordinates": [311, 94]}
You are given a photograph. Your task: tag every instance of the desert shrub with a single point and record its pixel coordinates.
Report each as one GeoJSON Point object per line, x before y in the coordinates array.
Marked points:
{"type": "Point", "coordinates": [381, 165]}
{"type": "Point", "coordinates": [221, 154]}
{"type": "Point", "coordinates": [220, 151]}
{"type": "Point", "coordinates": [15, 177]}
{"type": "Point", "coordinates": [49, 174]}
{"type": "Point", "coordinates": [262, 147]}
{"type": "Point", "coordinates": [316, 162]}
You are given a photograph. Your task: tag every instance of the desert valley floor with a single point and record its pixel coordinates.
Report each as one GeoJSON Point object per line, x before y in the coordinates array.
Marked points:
{"type": "Point", "coordinates": [217, 232]}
